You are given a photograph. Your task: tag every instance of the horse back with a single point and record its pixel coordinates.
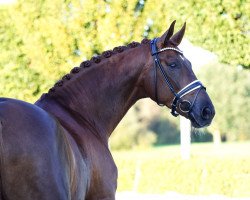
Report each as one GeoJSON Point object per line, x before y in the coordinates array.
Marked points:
{"type": "Point", "coordinates": [38, 158]}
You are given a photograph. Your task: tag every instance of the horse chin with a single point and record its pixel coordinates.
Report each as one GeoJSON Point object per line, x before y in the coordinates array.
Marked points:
{"type": "Point", "coordinates": [196, 125]}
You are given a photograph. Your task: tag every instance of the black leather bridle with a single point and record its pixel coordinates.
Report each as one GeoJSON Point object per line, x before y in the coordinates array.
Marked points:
{"type": "Point", "coordinates": [184, 105]}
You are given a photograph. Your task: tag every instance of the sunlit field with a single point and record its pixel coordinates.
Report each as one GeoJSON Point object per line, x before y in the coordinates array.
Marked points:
{"type": "Point", "coordinates": [211, 170]}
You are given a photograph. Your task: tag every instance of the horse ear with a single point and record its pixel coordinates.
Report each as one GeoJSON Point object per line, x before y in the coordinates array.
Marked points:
{"type": "Point", "coordinates": [167, 35]}
{"type": "Point", "coordinates": [177, 37]}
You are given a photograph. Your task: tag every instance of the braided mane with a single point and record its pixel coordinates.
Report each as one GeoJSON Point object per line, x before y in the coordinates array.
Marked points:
{"type": "Point", "coordinates": [95, 59]}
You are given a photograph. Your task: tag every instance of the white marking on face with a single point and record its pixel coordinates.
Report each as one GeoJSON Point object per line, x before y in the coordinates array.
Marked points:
{"type": "Point", "coordinates": [182, 57]}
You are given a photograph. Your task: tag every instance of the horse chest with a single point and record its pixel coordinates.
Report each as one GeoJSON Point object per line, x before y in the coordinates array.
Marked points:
{"type": "Point", "coordinates": [103, 172]}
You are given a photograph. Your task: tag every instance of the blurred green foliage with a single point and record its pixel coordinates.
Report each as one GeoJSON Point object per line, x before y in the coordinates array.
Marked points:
{"type": "Point", "coordinates": [42, 40]}
{"type": "Point", "coordinates": [210, 170]}
{"type": "Point", "coordinates": [132, 132]}
{"type": "Point", "coordinates": [229, 89]}
{"type": "Point", "coordinates": [166, 128]}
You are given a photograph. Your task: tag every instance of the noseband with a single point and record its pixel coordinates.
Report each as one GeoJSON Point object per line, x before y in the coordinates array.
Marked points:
{"type": "Point", "coordinates": [184, 105]}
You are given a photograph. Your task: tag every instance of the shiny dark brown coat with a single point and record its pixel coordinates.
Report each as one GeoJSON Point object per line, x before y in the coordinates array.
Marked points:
{"type": "Point", "coordinates": [58, 149]}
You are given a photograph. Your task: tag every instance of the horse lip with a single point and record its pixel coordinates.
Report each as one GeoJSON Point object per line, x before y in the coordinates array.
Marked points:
{"type": "Point", "coordinates": [194, 122]}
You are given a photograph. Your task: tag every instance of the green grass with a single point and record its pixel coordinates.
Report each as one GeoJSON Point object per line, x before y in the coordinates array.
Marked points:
{"type": "Point", "coordinates": [210, 170]}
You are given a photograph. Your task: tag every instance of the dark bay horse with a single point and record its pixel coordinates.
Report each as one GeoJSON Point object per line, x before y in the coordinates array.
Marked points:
{"type": "Point", "coordinates": [57, 148]}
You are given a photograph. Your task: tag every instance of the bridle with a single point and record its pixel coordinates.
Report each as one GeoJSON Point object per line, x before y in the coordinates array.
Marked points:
{"type": "Point", "coordinates": [184, 105]}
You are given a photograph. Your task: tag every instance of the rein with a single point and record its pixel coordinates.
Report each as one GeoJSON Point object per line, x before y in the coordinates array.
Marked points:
{"type": "Point", "coordinates": [184, 105]}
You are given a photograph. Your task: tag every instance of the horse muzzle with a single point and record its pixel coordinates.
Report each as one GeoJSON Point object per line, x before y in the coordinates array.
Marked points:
{"type": "Point", "coordinates": [202, 115]}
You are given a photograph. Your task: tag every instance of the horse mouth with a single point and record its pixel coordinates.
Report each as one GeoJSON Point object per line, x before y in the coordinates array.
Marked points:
{"type": "Point", "coordinates": [195, 123]}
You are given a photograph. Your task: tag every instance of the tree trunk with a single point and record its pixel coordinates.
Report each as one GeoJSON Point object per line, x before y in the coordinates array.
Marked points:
{"type": "Point", "coordinates": [217, 138]}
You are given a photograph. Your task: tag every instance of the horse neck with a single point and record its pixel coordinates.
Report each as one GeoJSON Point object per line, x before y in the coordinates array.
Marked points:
{"type": "Point", "coordinates": [102, 94]}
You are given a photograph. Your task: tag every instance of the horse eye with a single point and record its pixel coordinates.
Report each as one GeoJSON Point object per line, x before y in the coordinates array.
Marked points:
{"type": "Point", "coordinates": [172, 65]}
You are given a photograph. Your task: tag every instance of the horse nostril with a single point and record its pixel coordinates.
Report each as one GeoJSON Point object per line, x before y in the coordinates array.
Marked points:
{"type": "Point", "coordinates": [206, 113]}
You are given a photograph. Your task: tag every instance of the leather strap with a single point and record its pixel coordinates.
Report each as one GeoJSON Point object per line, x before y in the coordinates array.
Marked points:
{"type": "Point", "coordinates": [184, 91]}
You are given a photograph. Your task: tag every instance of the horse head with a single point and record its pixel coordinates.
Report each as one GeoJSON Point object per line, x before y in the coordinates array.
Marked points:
{"type": "Point", "coordinates": [170, 81]}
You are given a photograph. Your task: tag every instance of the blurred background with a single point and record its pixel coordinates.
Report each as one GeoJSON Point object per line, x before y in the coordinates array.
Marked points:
{"type": "Point", "coordinates": [42, 40]}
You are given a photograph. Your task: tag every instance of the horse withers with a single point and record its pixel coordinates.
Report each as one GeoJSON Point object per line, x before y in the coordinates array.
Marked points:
{"type": "Point", "coordinates": [57, 148]}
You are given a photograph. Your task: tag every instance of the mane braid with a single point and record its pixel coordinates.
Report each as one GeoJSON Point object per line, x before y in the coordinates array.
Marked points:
{"type": "Point", "coordinates": [96, 59]}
